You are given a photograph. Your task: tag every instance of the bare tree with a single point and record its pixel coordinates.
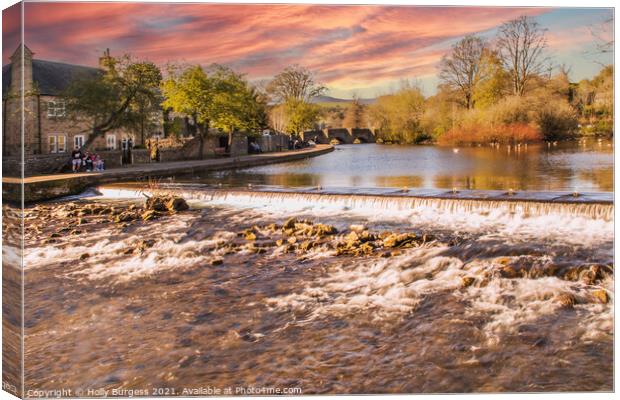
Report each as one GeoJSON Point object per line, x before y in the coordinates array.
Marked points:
{"type": "Point", "coordinates": [462, 69]}
{"type": "Point", "coordinates": [521, 43]}
{"type": "Point", "coordinates": [603, 35]}
{"type": "Point", "coordinates": [565, 69]}
{"type": "Point", "coordinates": [295, 83]}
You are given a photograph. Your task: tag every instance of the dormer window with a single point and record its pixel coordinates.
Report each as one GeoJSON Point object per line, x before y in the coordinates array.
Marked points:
{"type": "Point", "coordinates": [55, 108]}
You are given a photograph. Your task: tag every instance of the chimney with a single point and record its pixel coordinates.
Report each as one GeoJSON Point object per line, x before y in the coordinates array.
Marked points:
{"type": "Point", "coordinates": [21, 61]}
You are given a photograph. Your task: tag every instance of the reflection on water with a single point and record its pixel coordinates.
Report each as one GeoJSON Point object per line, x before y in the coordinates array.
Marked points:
{"type": "Point", "coordinates": [582, 166]}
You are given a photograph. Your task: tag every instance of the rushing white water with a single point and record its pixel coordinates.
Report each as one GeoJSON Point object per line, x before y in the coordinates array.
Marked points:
{"type": "Point", "coordinates": [493, 287]}
{"type": "Point", "coordinates": [107, 247]}
{"type": "Point", "coordinates": [392, 287]}
{"type": "Point", "coordinates": [370, 203]}
{"type": "Point", "coordinates": [385, 286]}
{"type": "Point", "coordinates": [574, 224]}
{"type": "Point", "coordinates": [389, 288]}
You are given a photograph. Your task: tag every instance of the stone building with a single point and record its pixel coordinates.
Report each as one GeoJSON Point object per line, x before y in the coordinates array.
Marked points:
{"type": "Point", "coordinates": [47, 129]}
{"type": "Point", "coordinates": [49, 135]}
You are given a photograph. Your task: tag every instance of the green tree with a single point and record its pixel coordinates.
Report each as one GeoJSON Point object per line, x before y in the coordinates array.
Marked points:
{"type": "Point", "coordinates": [594, 100]}
{"type": "Point", "coordinates": [398, 116]}
{"type": "Point", "coordinates": [294, 88]}
{"type": "Point", "coordinates": [235, 104]}
{"type": "Point", "coordinates": [301, 115]}
{"type": "Point", "coordinates": [190, 92]}
{"type": "Point", "coordinates": [496, 83]}
{"type": "Point", "coordinates": [439, 112]}
{"type": "Point", "coordinates": [116, 97]}
{"type": "Point", "coordinates": [556, 119]}
{"type": "Point", "coordinates": [219, 98]}
{"type": "Point", "coordinates": [147, 115]}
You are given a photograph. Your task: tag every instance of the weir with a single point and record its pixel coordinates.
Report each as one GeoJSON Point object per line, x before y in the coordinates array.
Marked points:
{"type": "Point", "coordinates": [589, 205]}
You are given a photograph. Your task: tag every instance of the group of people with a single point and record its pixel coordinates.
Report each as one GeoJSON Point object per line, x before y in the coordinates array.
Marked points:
{"type": "Point", "coordinates": [254, 148]}
{"type": "Point", "coordinates": [88, 161]}
{"type": "Point", "coordinates": [295, 144]}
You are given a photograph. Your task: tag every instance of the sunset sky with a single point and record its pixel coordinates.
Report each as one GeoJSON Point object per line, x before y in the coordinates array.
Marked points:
{"type": "Point", "coordinates": [363, 50]}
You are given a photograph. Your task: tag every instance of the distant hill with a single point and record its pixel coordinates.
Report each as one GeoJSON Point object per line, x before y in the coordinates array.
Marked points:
{"type": "Point", "coordinates": [329, 99]}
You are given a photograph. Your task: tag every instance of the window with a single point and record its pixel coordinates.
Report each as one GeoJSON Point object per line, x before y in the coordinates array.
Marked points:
{"type": "Point", "coordinates": [78, 141]}
{"type": "Point", "coordinates": [62, 143]}
{"type": "Point", "coordinates": [55, 108]}
{"type": "Point", "coordinates": [57, 143]}
{"type": "Point", "coordinates": [110, 142]}
{"type": "Point", "coordinates": [53, 144]}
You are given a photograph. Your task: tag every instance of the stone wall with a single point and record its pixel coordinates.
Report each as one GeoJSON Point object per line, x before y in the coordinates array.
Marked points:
{"type": "Point", "coordinates": [273, 143]}
{"type": "Point", "coordinates": [239, 145]}
{"type": "Point", "coordinates": [56, 163]}
{"type": "Point", "coordinates": [210, 147]}
{"type": "Point", "coordinates": [42, 164]}
{"type": "Point", "coordinates": [35, 164]}
{"type": "Point", "coordinates": [63, 126]}
{"type": "Point", "coordinates": [11, 166]}
{"type": "Point", "coordinates": [171, 142]}
{"type": "Point", "coordinates": [214, 145]}
{"type": "Point", "coordinates": [44, 189]}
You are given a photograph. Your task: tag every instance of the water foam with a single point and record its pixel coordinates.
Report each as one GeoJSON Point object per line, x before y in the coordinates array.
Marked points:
{"type": "Point", "coordinates": [383, 286]}
{"type": "Point", "coordinates": [111, 256]}
{"type": "Point", "coordinates": [393, 288]}
{"type": "Point", "coordinates": [573, 224]}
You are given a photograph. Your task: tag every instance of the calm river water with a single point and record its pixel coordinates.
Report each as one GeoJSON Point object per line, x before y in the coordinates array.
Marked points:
{"type": "Point", "coordinates": [582, 166]}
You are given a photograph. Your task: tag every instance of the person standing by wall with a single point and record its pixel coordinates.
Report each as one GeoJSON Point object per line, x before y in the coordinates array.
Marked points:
{"type": "Point", "coordinates": [124, 152]}
{"type": "Point", "coordinates": [129, 151]}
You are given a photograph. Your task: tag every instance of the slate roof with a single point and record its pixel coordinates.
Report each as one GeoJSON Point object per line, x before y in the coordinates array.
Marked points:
{"type": "Point", "coordinates": [50, 77]}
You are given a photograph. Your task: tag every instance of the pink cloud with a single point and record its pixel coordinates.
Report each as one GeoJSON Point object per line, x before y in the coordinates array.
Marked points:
{"type": "Point", "coordinates": [344, 44]}
{"type": "Point", "coordinates": [11, 29]}
{"type": "Point", "coordinates": [573, 37]}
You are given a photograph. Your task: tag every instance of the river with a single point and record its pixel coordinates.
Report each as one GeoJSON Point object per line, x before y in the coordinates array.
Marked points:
{"type": "Point", "coordinates": [228, 294]}
{"type": "Point", "coordinates": [586, 165]}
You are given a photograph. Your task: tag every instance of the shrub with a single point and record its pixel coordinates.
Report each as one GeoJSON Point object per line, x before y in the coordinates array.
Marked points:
{"type": "Point", "coordinates": [509, 110]}
{"type": "Point", "coordinates": [421, 137]}
{"type": "Point", "coordinates": [604, 127]}
{"type": "Point", "coordinates": [517, 133]}
{"type": "Point", "coordinates": [556, 121]}
{"type": "Point", "coordinates": [398, 115]}
{"type": "Point", "coordinates": [484, 134]}
{"type": "Point", "coordinates": [461, 136]}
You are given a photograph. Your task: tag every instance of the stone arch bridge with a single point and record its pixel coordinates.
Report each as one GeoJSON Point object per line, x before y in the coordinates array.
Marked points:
{"type": "Point", "coordinates": [343, 135]}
